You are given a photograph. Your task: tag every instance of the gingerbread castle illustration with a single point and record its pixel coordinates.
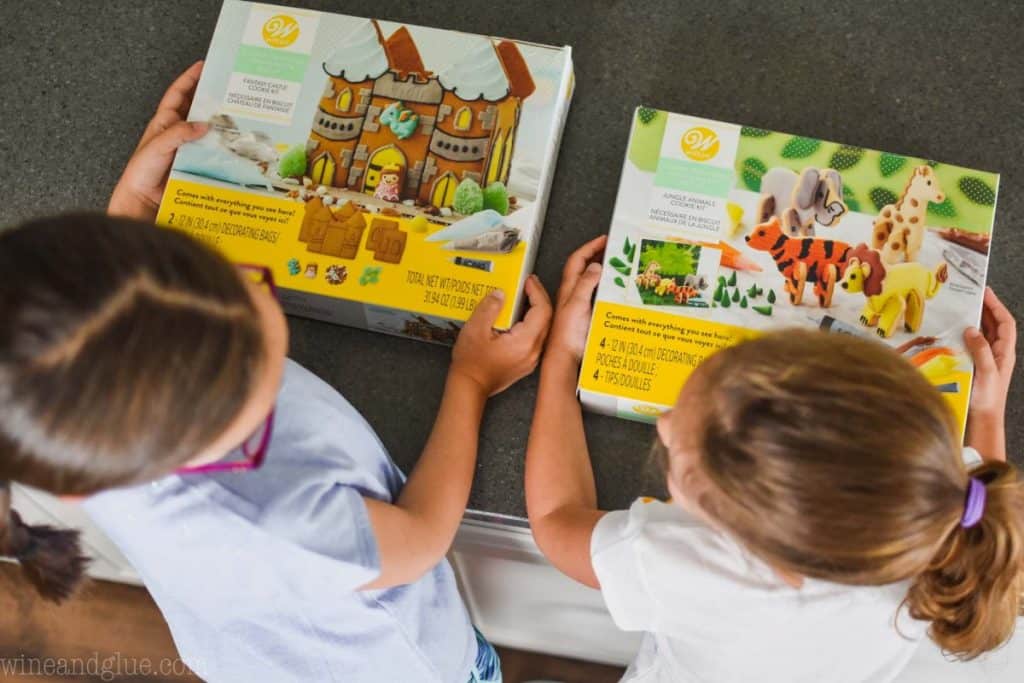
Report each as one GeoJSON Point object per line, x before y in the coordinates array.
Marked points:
{"type": "Point", "coordinates": [382, 108]}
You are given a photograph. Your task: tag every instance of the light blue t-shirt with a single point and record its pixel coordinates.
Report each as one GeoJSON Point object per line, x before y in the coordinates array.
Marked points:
{"type": "Point", "coordinates": [257, 572]}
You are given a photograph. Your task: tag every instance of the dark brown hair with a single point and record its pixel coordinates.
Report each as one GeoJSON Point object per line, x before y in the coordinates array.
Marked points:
{"type": "Point", "coordinates": [831, 457]}
{"type": "Point", "coordinates": [125, 349]}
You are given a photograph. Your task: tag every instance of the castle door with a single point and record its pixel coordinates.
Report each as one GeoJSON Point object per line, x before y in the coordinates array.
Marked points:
{"type": "Point", "coordinates": [385, 156]}
{"type": "Point", "coordinates": [443, 193]}
{"type": "Point", "coordinates": [323, 170]}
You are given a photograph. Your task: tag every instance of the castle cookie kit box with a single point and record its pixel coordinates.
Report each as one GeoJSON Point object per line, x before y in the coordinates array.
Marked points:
{"type": "Point", "coordinates": [721, 231]}
{"type": "Point", "coordinates": [389, 175]}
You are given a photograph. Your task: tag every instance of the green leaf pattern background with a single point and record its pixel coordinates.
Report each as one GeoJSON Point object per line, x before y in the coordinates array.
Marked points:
{"type": "Point", "coordinates": [871, 179]}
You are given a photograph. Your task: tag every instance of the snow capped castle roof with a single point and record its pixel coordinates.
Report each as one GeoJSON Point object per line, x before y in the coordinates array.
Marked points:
{"type": "Point", "coordinates": [477, 74]}
{"type": "Point", "coordinates": [359, 55]}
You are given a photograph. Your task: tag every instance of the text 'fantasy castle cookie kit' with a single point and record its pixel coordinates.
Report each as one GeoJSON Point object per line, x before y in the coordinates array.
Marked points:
{"type": "Point", "coordinates": [721, 231]}
{"type": "Point", "coordinates": [389, 175]}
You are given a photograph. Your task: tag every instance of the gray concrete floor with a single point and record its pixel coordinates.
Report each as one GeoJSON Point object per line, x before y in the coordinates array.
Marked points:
{"type": "Point", "coordinates": [942, 80]}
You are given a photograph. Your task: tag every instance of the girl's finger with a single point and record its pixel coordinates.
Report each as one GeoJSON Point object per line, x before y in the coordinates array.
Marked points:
{"type": "Point", "coordinates": [981, 352]}
{"type": "Point", "coordinates": [579, 259]}
{"type": "Point", "coordinates": [178, 97]}
{"type": "Point", "coordinates": [584, 290]}
{"type": "Point", "coordinates": [175, 103]}
{"type": "Point", "coordinates": [577, 263]}
{"type": "Point", "coordinates": [487, 311]}
{"type": "Point", "coordinates": [149, 166]}
{"type": "Point", "coordinates": [537, 320]}
{"type": "Point", "coordinates": [160, 122]}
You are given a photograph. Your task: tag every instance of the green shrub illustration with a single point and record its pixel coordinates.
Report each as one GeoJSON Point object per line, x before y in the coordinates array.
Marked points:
{"type": "Point", "coordinates": [882, 197]}
{"type": "Point", "coordinates": [646, 114]}
{"type": "Point", "coordinates": [977, 190]}
{"type": "Point", "coordinates": [751, 132]}
{"type": "Point", "coordinates": [890, 163]}
{"type": "Point", "coordinates": [629, 251]}
{"type": "Point", "coordinates": [800, 147]}
{"type": "Point", "coordinates": [293, 163]}
{"type": "Point", "coordinates": [944, 209]}
{"type": "Point", "coordinates": [846, 157]}
{"type": "Point", "coordinates": [850, 198]}
{"type": "Point", "coordinates": [752, 171]}
{"type": "Point", "coordinates": [674, 258]}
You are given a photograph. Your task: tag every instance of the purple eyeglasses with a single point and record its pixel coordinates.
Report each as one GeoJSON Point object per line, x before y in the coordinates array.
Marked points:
{"type": "Point", "coordinates": [254, 449]}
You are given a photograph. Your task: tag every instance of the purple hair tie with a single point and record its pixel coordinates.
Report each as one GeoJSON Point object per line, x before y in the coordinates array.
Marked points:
{"type": "Point", "coordinates": [974, 506]}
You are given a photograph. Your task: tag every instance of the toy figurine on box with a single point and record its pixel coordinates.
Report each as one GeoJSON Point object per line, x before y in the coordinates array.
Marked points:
{"type": "Point", "coordinates": [390, 186]}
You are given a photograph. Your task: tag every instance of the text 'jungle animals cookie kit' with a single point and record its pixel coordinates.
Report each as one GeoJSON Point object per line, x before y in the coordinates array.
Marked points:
{"type": "Point", "coordinates": [721, 231]}
{"type": "Point", "coordinates": [389, 175]}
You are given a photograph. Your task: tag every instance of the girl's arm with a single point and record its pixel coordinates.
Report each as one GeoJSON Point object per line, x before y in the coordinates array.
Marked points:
{"type": "Point", "coordinates": [994, 351]}
{"type": "Point", "coordinates": [415, 532]}
{"type": "Point", "coordinates": [561, 498]}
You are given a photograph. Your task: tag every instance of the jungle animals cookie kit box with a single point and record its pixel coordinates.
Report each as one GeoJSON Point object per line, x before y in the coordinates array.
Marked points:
{"type": "Point", "coordinates": [389, 175]}
{"type": "Point", "coordinates": [721, 231]}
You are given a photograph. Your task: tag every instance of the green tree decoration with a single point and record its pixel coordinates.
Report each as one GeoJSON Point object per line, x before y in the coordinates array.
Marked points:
{"type": "Point", "coordinates": [646, 114]}
{"type": "Point", "coordinates": [751, 172]}
{"type": "Point", "coordinates": [850, 198]}
{"type": "Point", "coordinates": [888, 164]}
{"type": "Point", "coordinates": [882, 197]}
{"type": "Point", "coordinates": [800, 147]}
{"type": "Point", "coordinates": [945, 209]}
{"type": "Point", "coordinates": [293, 163]}
{"type": "Point", "coordinates": [469, 198]}
{"type": "Point", "coordinates": [751, 132]}
{"type": "Point", "coordinates": [846, 157]}
{"type": "Point", "coordinates": [977, 190]}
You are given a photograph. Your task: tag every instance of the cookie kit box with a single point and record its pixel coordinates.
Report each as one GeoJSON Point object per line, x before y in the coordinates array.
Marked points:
{"type": "Point", "coordinates": [721, 231]}
{"type": "Point", "coordinates": [389, 175]}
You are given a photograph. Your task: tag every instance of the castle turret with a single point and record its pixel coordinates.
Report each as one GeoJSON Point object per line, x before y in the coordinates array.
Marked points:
{"type": "Point", "coordinates": [399, 119]}
{"type": "Point", "coordinates": [477, 119]}
{"type": "Point", "coordinates": [351, 69]}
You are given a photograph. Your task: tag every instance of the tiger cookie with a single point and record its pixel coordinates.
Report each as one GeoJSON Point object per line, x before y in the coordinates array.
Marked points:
{"type": "Point", "coordinates": [801, 260]}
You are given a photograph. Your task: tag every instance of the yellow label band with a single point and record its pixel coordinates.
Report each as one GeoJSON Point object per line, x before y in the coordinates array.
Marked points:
{"type": "Point", "coordinates": [253, 228]}
{"type": "Point", "coordinates": [647, 355]}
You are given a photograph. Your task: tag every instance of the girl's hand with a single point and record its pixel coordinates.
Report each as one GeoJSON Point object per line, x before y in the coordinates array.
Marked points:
{"type": "Point", "coordinates": [994, 351]}
{"type": "Point", "coordinates": [492, 360]}
{"type": "Point", "coordinates": [580, 277]}
{"type": "Point", "coordinates": [141, 187]}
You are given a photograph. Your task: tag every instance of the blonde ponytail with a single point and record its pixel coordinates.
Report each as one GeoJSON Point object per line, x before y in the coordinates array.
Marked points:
{"type": "Point", "coordinates": [972, 592]}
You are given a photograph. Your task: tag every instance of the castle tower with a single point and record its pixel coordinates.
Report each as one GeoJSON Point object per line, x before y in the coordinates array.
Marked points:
{"type": "Point", "coordinates": [351, 71]}
{"type": "Point", "coordinates": [410, 87]}
{"type": "Point", "coordinates": [476, 122]}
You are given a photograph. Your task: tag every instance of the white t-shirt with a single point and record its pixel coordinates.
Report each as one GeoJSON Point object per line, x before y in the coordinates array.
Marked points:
{"type": "Point", "coordinates": [713, 613]}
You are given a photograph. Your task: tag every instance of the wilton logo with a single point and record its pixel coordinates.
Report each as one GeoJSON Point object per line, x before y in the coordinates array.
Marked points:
{"type": "Point", "coordinates": [647, 410]}
{"type": "Point", "coordinates": [700, 143]}
{"type": "Point", "coordinates": [280, 30]}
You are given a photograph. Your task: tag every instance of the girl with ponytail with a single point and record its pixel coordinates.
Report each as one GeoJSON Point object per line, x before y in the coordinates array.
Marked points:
{"type": "Point", "coordinates": [143, 372]}
{"type": "Point", "coordinates": [824, 517]}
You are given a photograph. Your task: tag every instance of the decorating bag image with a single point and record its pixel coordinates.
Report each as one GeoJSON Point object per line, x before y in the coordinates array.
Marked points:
{"type": "Point", "coordinates": [721, 231]}
{"type": "Point", "coordinates": [389, 175]}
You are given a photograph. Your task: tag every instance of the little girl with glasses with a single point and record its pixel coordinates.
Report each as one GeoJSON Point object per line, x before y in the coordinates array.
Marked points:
{"type": "Point", "coordinates": [142, 371]}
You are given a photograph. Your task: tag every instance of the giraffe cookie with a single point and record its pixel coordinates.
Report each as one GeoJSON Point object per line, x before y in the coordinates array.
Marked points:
{"type": "Point", "coordinates": [898, 231]}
